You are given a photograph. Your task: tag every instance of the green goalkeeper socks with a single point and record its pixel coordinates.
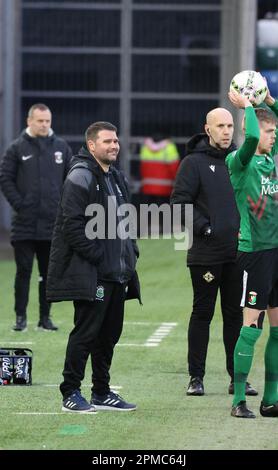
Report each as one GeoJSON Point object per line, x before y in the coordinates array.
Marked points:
{"type": "Point", "coordinates": [243, 356]}
{"type": "Point", "coordinates": [271, 368]}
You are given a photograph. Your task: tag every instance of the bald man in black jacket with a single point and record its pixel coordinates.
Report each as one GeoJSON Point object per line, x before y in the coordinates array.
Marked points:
{"type": "Point", "coordinates": [203, 181]}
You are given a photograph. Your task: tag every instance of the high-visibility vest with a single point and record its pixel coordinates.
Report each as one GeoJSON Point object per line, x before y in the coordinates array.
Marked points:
{"type": "Point", "coordinates": [158, 164]}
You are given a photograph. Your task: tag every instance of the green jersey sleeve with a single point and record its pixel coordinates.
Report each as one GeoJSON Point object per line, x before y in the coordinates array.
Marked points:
{"type": "Point", "coordinates": [237, 161]}
{"type": "Point", "coordinates": [274, 108]}
{"type": "Point", "coordinates": [255, 183]}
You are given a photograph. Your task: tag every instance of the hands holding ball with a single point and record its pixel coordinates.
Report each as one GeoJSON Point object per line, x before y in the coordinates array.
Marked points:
{"type": "Point", "coordinates": [249, 87]}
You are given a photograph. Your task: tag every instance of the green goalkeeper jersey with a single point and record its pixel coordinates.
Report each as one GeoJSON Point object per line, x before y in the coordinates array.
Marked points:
{"type": "Point", "coordinates": [256, 188]}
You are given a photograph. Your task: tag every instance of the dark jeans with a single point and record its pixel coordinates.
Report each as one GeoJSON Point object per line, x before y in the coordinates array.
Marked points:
{"type": "Point", "coordinates": [97, 328]}
{"type": "Point", "coordinates": [24, 252]}
{"type": "Point", "coordinates": [206, 281]}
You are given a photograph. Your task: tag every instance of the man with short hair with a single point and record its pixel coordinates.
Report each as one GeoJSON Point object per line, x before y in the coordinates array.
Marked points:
{"type": "Point", "coordinates": [254, 175]}
{"type": "Point", "coordinates": [31, 177]}
{"type": "Point", "coordinates": [203, 181]}
{"type": "Point", "coordinates": [96, 271]}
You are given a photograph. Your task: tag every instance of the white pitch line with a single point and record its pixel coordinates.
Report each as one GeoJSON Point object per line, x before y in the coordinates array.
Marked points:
{"type": "Point", "coordinates": [141, 323]}
{"type": "Point", "coordinates": [136, 345]}
{"type": "Point", "coordinates": [52, 413]}
{"type": "Point", "coordinates": [155, 339]}
{"type": "Point", "coordinates": [159, 334]}
{"type": "Point", "coordinates": [15, 342]}
{"type": "Point", "coordinates": [113, 387]}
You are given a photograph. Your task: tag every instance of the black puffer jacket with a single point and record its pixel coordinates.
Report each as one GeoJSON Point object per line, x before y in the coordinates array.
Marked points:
{"type": "Point", "coordinates": [76, 261]}
{"type": "Point", "coordinates": [203, 180]}
{"type": "Point", "coordinates": [31, 177]}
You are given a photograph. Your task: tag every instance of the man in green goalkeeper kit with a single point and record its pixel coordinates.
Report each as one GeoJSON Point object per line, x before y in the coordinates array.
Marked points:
{"type": "Point", "coordinates": [253, 170]}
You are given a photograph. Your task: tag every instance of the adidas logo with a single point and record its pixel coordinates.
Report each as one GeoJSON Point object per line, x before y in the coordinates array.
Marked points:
{"type": "Point", "coordinates": [70, 404]}
{"type": "Point", "coordinates": [111, 402]}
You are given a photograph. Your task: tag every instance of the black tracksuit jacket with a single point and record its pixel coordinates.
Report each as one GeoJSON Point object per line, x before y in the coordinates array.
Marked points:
{"type": "Point", "coordinates": [203, 180]}
{"type": "Point", "coordinates": [32, 174]}
{"type": "Point", "coordinates": [77, 262]}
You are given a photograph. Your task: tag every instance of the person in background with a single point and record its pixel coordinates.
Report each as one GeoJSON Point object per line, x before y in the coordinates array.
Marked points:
{"type": "Point", "coordinates": [159, 161]}
{"type": "Point", "coordinates": [32, 173]}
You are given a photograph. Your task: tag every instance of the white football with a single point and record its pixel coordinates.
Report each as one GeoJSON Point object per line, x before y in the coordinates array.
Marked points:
{"type": "Point", "coordinates": [251, 84]}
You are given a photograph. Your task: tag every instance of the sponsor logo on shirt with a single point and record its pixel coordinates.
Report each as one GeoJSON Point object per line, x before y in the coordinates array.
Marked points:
{"type": "Point", "coordinates": [268, 187]}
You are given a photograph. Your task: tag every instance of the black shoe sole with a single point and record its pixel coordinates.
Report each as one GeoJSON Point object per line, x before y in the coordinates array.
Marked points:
{"type": "Point", "coordinates": [269, 416]}
{"type": "Point", "coordinates": [252, 394]}
{"type": "Point", "coordinates": [269, 413]}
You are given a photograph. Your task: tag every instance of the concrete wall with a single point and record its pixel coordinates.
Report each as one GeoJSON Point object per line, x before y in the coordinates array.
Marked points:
{"type": "Point", "coordinates": [10, 59]}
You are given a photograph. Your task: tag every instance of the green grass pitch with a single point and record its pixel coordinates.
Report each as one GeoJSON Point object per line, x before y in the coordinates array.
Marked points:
{"type": "Point", "coordinates": [154, 377]}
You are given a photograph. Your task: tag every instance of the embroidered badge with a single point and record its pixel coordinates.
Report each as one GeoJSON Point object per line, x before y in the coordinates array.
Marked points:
{"type": "Point", "coordinates": [252, 298]}
{"type": "Point", "coordinates": [58, 157]}
{"type": "Point", "coordinates": [208, 277]}
{"type": "Point", "coordinates": [100, 293]}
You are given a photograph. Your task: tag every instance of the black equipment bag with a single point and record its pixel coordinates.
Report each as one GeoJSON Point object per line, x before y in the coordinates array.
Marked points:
{"type": "Point", "coordinates": [16, 366]}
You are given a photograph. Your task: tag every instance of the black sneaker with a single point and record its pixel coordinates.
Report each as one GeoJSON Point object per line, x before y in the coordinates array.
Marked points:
{"type": "Point", "coordinates": [269, 411]}
{"type": "Point", "coordinates": [77, 404]}
{"type": "Point", "coordinates": [249, 390]}
{"type": "Point", "coordinates": [241, 411]}
{"type": "Point", "coordinates": [20, 324]}
{"type": "Point", "coordinates": [195, 387]}
{"type": "Point", "coordinates": [111, 402]}
{"type": "Point", "coordinates": [46, 324]}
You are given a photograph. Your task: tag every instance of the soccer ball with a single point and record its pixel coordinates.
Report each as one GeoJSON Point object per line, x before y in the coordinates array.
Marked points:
{"type": "Point", "coordinates": [251, 84]}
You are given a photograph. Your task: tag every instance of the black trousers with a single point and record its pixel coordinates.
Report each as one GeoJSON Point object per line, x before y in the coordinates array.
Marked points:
{"type": "Point", "coordinates": [24, 252]}
{"type": "Point", "coordinates": [206, 282]}
{"type": "Point", "coordinates": [97, 328]}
